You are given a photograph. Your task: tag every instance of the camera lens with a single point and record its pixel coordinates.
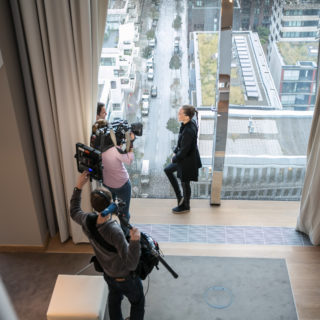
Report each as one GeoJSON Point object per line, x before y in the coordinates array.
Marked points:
{"type": "Point", "coordinates": [137, 128]}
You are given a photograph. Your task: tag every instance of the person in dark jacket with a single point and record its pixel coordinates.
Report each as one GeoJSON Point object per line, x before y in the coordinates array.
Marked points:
{"type": "Point", "coordinates": [118, 265]}
{"type": "Point", "coordinates": [186, 159]}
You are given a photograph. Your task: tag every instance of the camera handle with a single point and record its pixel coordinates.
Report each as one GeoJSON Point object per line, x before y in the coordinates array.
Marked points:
{"type": "Point", "coordinates": [165, 264]}
{"type": "Point", "coordinates": [124, 221]}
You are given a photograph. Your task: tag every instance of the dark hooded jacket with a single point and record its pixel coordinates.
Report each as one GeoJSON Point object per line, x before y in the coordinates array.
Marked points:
{"type": "Point", "coordinates": [187, 154]}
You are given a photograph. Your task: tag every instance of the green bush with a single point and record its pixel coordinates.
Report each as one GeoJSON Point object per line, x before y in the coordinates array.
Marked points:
{"type": "Point", "coordinates": [177, 23]}
{"type": "Point", "coordinates": [146, 52]}
{"type": "Point", "coordinates": [175, 62]}
{"type": "Point", "coordinates": [150, 34]}
{"type": "Point", "coordinates": [173, 125]}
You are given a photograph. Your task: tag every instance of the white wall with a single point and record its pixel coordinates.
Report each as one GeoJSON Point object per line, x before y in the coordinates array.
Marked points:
{"type": "Point", "coordinates": [275, 65]}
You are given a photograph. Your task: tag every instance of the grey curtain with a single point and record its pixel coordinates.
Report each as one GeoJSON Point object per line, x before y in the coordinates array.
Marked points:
{"type": "Point", "coordinates": [309, 217]}
{"type": "Point", "coordinates": [60, 44]}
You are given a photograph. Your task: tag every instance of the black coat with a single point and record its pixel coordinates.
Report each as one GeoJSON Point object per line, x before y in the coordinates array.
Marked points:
{"type": "Point", "coordinates": [187, 154]}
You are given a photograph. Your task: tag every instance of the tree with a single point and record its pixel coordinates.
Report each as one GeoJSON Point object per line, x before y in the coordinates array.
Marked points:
{"type": "Point", "coordinates": [179, 6]}
{"type": "Point", "coordinates": [150, 34]}
{"type": "Point", "coordinates": [173, 125]}
{"type": "Point", "coordinates": [175, 62]}
{"type": "Point", "coordinates": [154, 13]}
{"type": "Point", "coordinates": [146, 53]}
{"type": "Point", "coordinates": [263, 34]}
{"type": "Point", "coordinates": [177, 23]}
{"type": "Point", "coordinates": [175, 87]}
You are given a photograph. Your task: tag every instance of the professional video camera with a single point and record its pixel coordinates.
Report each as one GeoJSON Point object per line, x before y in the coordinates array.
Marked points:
{"type": "Point", "coordinates": [116, 134]}
{"type": "Point", "coordinates": [89, 159]}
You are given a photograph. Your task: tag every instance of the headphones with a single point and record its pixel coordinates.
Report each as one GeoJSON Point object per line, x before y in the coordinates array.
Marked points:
{"type": "Point", "coordinates": [101, 194]}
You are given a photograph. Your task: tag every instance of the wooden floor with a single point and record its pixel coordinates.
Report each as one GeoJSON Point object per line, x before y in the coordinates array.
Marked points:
{"type": "Point", "coordinates": [303, 262]}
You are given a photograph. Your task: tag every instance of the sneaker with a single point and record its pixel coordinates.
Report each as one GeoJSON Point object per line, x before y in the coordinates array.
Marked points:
{"type": "Point", "coordinates": [180, 209]}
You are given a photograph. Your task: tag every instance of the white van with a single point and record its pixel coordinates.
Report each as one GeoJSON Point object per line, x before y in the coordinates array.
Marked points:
{"type": "Point", "coordinates": [145, 179]}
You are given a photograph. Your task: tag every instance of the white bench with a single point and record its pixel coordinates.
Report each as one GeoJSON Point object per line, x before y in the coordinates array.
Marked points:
{"type": "Point", "coordinates": [78, 297]}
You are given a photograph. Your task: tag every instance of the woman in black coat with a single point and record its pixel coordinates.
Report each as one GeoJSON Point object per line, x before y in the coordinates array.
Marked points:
{"type": "Point", "coordinates": [186, 159]}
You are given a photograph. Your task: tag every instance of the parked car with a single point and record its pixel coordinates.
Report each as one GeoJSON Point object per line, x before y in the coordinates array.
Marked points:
{"type": "Point", "coordinates": [150, 74]}
{"type": "Point", "coordinates": [152, 42]}
{"type": "Point", "coordinates": [145, 95]}
{"type": "Point", "coordinates": [176, 45]}
{"type": "Point", "coordinates": [150, 63]}
{"type": "Point", "coordinates": [154, 23]}
{"type": "Point", "coordinates": [145, 108]}
{"type": "Point", "coordinates": [154, 91]}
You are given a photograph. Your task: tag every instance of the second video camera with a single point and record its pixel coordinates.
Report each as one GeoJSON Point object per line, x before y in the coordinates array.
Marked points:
{"type": "Point", "coordinates": [117, 133]}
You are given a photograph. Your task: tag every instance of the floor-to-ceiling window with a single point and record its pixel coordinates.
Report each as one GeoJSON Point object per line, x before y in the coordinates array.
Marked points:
{"type": "Point", "coordinates": [159, 55]}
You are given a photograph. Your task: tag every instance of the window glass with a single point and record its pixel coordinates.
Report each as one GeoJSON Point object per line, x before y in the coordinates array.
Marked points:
{"type": "Point", "coordinates": [291, 74]}
{"type": "Point", "coordinates": [158, 55]}
{"type": "Point", "coordinates": [268, 131]}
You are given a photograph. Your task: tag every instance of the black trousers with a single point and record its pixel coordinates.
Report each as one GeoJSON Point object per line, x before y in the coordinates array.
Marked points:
{"type": "Point", "coordinates": [186, 189]}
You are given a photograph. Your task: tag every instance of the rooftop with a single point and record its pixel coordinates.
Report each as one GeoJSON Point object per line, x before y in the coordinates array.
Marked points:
{"type": "Point", "coordinates": [208, 49]}
{"type": "Point", "coordinates": [292, 52]}
{"type": "Point", "coordinates": [250, 59]}
{"type": "Point", "coordinates": [116, 4]}
{"type": "Point", "coordinates": [274, 134]}
{"type": "Point", "coordinates": [208, 53]}
{"type": "Point", "coordinates": [111, 39]}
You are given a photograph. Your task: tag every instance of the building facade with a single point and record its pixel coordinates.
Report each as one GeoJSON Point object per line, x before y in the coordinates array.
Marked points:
{"type": "Point", "coordinates": [117, 70]}
{"type": "Point", "coordinates": [293, 50]}
{"type": "Point", "coordinates": [295, 20]}
{"type": "Point", "coordinates": [204, 15]}
{"type": "Point", "coordinates": [255, 13]}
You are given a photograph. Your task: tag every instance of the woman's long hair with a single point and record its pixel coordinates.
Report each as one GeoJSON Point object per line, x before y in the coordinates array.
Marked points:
{"type": "Point", "coordinates": [190, 111]}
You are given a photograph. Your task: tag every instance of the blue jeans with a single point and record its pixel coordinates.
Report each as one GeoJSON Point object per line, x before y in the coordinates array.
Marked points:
{"type": "Point", "coordinates": [133, 290]}
{"type": "Point", "coordinates": [123, 193]}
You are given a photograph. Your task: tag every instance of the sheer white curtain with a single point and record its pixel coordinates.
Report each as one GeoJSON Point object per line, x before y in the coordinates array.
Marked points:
{"type": "Point", "coordinates": [309, 217]}
{"type": "Point", "coordinates": [64, 40]}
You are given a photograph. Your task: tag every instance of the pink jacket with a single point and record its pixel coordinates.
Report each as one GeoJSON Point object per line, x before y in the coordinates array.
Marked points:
{"type": "Point", "coordinates": [115, 175]}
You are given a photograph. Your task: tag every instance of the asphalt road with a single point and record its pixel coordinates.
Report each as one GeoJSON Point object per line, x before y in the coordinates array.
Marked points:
{"type": "Point", "coordinates": [157, 141]}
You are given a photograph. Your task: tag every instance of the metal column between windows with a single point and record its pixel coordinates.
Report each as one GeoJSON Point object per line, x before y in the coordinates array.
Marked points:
{"type": "Point", "coordinates": [223, 92]}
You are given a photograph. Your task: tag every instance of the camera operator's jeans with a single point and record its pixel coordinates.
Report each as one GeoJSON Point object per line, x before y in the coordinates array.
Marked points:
{"type": "Point", "coordinates": [123, 193]}
{"type": "Point", "coordinates": [133, 290]}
